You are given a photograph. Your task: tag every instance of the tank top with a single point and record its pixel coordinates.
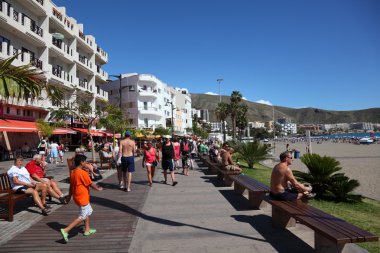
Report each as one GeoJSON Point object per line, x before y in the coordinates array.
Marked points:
{"type": "Point", "coordinates": [176, 151]}
{"type": "Point", "coordinates": [150, 155]}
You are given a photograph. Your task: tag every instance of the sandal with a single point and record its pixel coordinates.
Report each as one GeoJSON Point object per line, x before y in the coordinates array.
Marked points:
{"type": "Point", "coordinates": [90, 232]}
{"type": "Point", "coordinates": [45, 212]}
{"type": "Point", "coordinates": [48, 206]}
{"type": "Point", "coordinates": [62, 200]}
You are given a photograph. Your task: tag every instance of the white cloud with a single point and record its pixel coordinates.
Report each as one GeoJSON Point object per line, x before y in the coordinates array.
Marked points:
{"type": "Point", "coordinates": [244, 98]}
{"type": "Point", "coordinates": [265, 102]}
{"type": "Point", "coordinates": [211, 93]}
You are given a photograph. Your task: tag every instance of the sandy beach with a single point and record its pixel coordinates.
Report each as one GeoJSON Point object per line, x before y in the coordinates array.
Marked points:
{"type": "Point", "coordinates": [361, 162]}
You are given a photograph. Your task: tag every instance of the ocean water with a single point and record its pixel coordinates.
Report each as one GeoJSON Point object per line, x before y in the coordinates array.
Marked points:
{"type": "Point", "coordinates": [349, 135]}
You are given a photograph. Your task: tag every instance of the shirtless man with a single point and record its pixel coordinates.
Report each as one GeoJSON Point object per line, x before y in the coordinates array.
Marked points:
{"type": "Point", "coordinates": [282, 180]}
{"type": "Point", "coordinates": [127, 152]}
{"type": "Point", "coordinates": [227, 163]}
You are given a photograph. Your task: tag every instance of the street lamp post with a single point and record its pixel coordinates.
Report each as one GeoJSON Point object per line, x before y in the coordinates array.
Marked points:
{"type": "Point", "coordinates": [220, 94]}
{"type": "Point", "coordinates": [171, 103]}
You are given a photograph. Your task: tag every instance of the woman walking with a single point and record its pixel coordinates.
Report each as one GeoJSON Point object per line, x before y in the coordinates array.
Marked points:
{"type": "Point", "coordinates": [150, 160]}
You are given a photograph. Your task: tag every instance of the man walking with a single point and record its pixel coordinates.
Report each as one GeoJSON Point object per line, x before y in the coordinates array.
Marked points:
{"type": "Point", "coordinates": [127, 152]}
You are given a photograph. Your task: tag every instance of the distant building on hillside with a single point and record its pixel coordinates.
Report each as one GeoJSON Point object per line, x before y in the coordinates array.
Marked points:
{"type": "Point", "coordinates": [362, 126]}
{"type": "Point", "coordinates": [256, 124]}
{"type": "Point", "coordinates": [205, 117]}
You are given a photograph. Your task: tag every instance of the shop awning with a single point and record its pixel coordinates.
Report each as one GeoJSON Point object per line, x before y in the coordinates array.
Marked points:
{"type": "Point", "coordinates": [60, 130]}
{"type": "Point", "coordinates": [93, 132]}
{"type": "Point", "coordinates": [17, 126]}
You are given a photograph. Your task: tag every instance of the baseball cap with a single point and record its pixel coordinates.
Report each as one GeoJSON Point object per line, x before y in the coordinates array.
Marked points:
{"type": "Point", "coordinates": [128, 133]}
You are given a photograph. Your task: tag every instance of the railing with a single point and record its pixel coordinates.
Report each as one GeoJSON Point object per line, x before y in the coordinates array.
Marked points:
{"type": "Point", "coordinates": [36, 29]}
{"type": "Point", "coordinates": [40, 2]}
{"type": "Point", "coordinates": [57, 14]}
{"type": "Point", "coordinates": [82, 59]}
{"type": "Point", "coordinates": [82, 36]}
{"type": "Point", "coordinates": [36, 63]}
{"type": "Point", "coordinates": [83, 83]}
{"type": "Point", "coordinates": [57, 42]}
{"type": "Point", "coordinates": [15, 15]}
{"type": "Point", "coordinates": [57, 71]}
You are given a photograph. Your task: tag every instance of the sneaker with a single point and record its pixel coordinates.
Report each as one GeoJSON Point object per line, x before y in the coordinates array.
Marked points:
{"type": "Point", "coordinates": [121, 186]}
{"type": "Point", "coordinates": [90, 232]}
{"type": "Point", "coordinates": [65, 235]}
{"type": "Point", "coordinates": [175, 183]}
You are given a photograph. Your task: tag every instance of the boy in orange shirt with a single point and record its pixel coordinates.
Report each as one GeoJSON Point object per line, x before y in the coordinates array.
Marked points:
{"type": "Point", "coordinates": [80, 184]}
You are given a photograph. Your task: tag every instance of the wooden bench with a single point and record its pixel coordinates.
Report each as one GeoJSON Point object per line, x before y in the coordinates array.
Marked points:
{"type": "Point", "coordinates": [330, 233]}
{"type": "Point", "coordinates": [256, 190]}
{"type": "Point", "coordinates": [224, 175]}
{"type": "Point", "coordinates": [105, 162]}
{"type": "Point", "coordinates": [8, 197]}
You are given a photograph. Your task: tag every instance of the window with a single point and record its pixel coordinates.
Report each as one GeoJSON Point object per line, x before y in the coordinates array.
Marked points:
{"type": "Point", "coordinates": [8, 110]}
{"type": "Point", "coordinates": [146, 122]}
{"type": "Point", "coordinates": [18, 111]}
{"type": "Point", "coordinates": [111, 92]}
{"type": "Point", "coordinates": [145, 105]}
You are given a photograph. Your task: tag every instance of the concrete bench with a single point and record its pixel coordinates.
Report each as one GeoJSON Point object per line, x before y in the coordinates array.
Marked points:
{"type": "Point", "coordinates": [256, 190]}
{"type": "Point", "coordinates": [331, 233]}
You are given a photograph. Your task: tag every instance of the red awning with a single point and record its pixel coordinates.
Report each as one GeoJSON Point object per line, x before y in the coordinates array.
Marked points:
{"type": "Point", "coordinates": [64, 131]}
{"type": "Point", "coordinates": [17, 126]}
{"type": "Point", "coordinates": [93, 132]}
{"type": "Point", "coordinates": [106, 134]}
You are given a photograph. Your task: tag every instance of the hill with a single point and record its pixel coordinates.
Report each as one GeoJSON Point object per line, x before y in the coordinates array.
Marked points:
{"type": "Point", "coordinates": [261, 112]}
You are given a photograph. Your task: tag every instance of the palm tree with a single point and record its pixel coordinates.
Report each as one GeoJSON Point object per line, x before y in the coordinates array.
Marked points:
{"type": "Point", "coordinates": [113, 120]}
{"type": "Point", "coordinates": [234, 108]}
{"type": "Point", "coordinates": [241, 119]}
{"type": "Point", "coordinates": [82, 111]}
{"type": "Point", "coordinates": [252, 152]}
{"type": "Point", "coordinates": [25, 82]}
{"type": "Point", "coordinates": [221, 112]}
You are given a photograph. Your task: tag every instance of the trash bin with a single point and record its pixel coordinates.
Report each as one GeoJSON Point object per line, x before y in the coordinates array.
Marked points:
{"type": "Point", "coordinates": [296, 154]}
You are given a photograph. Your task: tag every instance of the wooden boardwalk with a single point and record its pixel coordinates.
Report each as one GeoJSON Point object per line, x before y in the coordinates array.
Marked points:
{"type": "Point", "coordinates": [115, 217]}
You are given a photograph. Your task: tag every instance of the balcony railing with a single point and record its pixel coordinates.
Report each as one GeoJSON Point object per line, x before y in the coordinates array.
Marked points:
{"type": "Point", "coordinates": [36, 29]}
{"type": "Point", "coordinates": [36, 63]}
{"type": "Point", "coordinates": [57, 43]}
{"type": "Point", "coordinates": [57, 14]}
{"type": "Point", "coordinates": [40, 2]}
{"type": "Point", "coordinates": [15, 15]}
{"type": "Point", "coordinates": [83, 83]}
{"type": "Point", "coordinates": [82, 59]}
{"type": "Point", "coordinates": [81, 35]}
{"type": "Point", "coordinates": [57, 71]}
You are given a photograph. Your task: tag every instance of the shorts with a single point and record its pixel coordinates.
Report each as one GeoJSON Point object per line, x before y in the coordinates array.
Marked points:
{"type": "Point", "coordinates": [285, 196]}
{"type": "Point", "coordinates": [60, 152]}
{"type": "Point", "coordinates": [21, 189]}
{"type": "Point", "coordinates": [168, 165]}
{"type": "Point", "coordinates": [85, 211]}
{"type": "Point", "coordinates": [42, 152]}
{"type": "Point", "coordinates": [54, 153]}
{"type": "Point", "coordinates": [230, 167]}
{"type": "Point", "coordinates": [128, 163]}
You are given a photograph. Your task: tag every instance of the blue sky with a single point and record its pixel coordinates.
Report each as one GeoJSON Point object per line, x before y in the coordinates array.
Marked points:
{"type": "Point", "coordinates": [294, 53]}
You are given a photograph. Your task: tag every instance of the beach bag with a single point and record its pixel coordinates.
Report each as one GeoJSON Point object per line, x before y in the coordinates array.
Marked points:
{"type": "Point", "coordinates": [155, 163]}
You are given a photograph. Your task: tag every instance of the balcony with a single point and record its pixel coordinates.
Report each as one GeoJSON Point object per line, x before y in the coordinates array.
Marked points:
{"type": "Point", "coordinates": [41, 2]}
{"type": "Point", "coordinates": [57, 14]}
{"type": "Point", "coordinates": [153, 111]}
{"type": "Point", "coordinates": [102, 55]}
{"type": "Point", "coordinates": [101, 94]}
{"type": "Point", "coordinates": [148, 92]}
{"type": "Point", "coordinates": [57, 43]}
{"type": "Point", "coordinates": [36, 63]}
{"type": "Point", "coordinates": [101, 73]}
{"type": "Point", "coordinates": [57, 71]}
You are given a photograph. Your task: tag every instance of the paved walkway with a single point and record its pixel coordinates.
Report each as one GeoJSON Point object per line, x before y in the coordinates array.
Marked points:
{"type": "Point", "coordinates": [197, 215]}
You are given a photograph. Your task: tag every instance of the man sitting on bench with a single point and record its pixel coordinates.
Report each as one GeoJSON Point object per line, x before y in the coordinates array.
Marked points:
{"type": "Point", "coordinates": [283, 184]}
{"type": "Point", "coordinates": [36, 169]}
{"type": "Point", "coordinates": [227, 163]}
{"type": "Point", "coordinates": [22, 184]}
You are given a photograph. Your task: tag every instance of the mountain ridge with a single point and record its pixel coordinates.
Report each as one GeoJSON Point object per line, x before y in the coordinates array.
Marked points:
{"type": "Point", "coordinates": [309, 115]}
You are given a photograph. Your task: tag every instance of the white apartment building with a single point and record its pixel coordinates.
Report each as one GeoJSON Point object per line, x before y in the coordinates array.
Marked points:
{"type": "Point", "coordinates": [256, 124]}
{"type": "Point", "coordinates": [289, 128]}
{"type": "Point", "coordinates": [42, 34]}
{"type": "Point", "coordinates": [149, 103]}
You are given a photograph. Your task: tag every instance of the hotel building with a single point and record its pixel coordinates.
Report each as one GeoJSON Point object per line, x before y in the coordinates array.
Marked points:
{"type": "Point", "coordinates": [43, 35]}
{"type": "Point", "coordinates": [149, 103]}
